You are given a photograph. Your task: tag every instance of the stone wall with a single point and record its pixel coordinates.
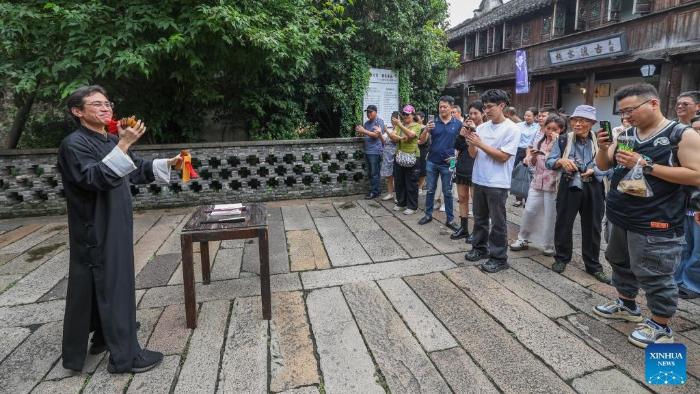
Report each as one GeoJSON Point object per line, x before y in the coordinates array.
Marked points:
{"type": "Point", "coordinates": [229, 172]}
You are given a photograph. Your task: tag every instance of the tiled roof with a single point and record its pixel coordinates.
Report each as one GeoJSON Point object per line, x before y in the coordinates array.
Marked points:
{"type": "Point", "coordinates": [509, 10]}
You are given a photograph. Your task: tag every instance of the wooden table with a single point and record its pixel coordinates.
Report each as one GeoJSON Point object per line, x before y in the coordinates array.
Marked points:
{"type": "Point", "coordinates": [255, 226]}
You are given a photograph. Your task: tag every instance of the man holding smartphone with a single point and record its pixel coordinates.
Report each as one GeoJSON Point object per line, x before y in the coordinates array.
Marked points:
{"type": "Point", "coordinates": [645, 237]}
{"type": "Point", "coordinates": [374, 147]}
{"type": "Point", "coordinates": [493, 146]}
{"type": "Point", "coordinates": [443, 132]}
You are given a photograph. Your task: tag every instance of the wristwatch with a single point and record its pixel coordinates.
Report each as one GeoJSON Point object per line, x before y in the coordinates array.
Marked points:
{"type": "Point", "coordinates": [648, 168]}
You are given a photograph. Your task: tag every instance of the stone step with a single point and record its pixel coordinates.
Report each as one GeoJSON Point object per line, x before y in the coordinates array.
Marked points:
{"type": "Point", "coordinates": [510, 365]}
{"type": "Point", "coordinates": [291, 350]}
{"type": "Point", "coordinates": [429, 331]}
{"type": "Point", "coordinates": [566, 354]}
{"type": "Point", "coordinates": [377, 271]}
{"type": "Point", "coordinates": [342, 247]}
{"type": "Point", "coordinates": [345, 363]}
{"type": "Point", "coordinates": [404, 364]}
{"type": "Point", "coordinates": [244, 364]}
{"type": "Point", "coordinates": [22, 369]}
{"type": "Point", "coordinates": [306, 251]}
{"type": "Point", "coordinates": [201, 366]}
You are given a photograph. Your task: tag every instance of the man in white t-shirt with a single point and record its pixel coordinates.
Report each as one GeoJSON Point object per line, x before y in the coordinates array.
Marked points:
{"type": "Point", "coordinates": [493, 146]}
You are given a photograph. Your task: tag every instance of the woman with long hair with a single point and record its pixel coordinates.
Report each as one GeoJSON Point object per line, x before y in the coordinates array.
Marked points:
{"type": "Point", "coordinates": [464, 167]}
{"type": "Point", "coordinates": [541, 206]}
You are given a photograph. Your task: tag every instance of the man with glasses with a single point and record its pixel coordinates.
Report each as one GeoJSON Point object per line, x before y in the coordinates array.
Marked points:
{"type": "Point", "coordinates": [687, 106]}
{"type": "Point", "coordinates": [96, 170]}
{"type": "Point", "coordinates": [645, 238]}
{"type": "Point", "coordinates": [581, 192]}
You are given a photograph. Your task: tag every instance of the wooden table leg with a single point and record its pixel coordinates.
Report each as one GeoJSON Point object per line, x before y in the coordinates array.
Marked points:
{"type": "Point", "coordinates": [188, 281]}
{"type": "Point", "coordinates": [206, 264]}
{"type": "Point", "coordinates": [264, 273]}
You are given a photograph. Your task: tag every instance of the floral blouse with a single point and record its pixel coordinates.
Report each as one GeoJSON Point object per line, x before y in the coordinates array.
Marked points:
{"type": "Point", "coordinates": [544, 179]}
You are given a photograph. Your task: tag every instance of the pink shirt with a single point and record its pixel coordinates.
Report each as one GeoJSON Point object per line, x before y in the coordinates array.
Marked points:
{"type": "Point", "coordinates": [544, 179]}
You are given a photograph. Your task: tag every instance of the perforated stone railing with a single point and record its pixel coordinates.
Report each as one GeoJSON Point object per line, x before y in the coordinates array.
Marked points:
{"type": "Point", "coordinates": [229, 172]}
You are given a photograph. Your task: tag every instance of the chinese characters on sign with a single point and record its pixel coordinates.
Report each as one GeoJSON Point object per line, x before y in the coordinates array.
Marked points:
{"type": "Point", "coordinates": [591, 50]}
{"type": "Point", "coordinates": [383, 91]}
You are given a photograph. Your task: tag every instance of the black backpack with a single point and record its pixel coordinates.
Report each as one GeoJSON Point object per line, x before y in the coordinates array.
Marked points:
{"type": "Point", "coordinates": [675, 138]}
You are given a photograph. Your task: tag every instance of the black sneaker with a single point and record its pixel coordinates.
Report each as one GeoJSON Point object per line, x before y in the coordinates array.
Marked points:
{"type": "Point", "coordinates": [492, 266]}
{"type": "Point", "coordinates": [469, 239]}
{"type": "Point", "coordinates": [558, 267]}
{"type": "Point", "coordinates": [476, 255]}
{"type": "Point", "coordinates": [601, 277]}
{"type": "Point", "coordinates": [144, 361]}
{"type": "Point", "coordinates": [425, 219]}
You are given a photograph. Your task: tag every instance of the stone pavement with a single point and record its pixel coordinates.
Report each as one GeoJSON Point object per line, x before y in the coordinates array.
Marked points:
{"type": "Point", "coordinates": [364, 301]}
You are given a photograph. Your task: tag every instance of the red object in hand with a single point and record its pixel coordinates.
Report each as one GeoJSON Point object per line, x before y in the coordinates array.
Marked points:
{"type": "Point", "coordinates": [112, 127]}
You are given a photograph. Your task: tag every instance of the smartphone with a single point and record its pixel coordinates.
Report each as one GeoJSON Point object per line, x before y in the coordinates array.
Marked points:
{"type": "Point", "coordinates": [431, 118]}
{"type": "Point", "coordinates": [605, 125]}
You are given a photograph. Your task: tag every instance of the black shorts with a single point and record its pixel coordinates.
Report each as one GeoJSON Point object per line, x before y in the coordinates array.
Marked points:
{"type": "Point", "coordinates": [463, 180]}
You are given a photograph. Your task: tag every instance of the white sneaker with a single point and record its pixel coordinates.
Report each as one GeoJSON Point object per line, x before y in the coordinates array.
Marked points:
{"type": "Point", "coordinates": [519, 244]}
{"type": "Point", "coordinates": [388, 197]}
{"type": "Point", "coordinates": [442, 208]}
{"type": "Point", "coordinates": [548, 252]}
{"type": "Point", "coordinates": [409, 211]}
{"type": "Point", "coordinates": [398, 208]}
{"type": "Point", "coordinates": [422, 192]}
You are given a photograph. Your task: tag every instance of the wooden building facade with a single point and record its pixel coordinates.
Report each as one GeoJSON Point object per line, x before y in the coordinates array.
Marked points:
{"type": "Point", "coordinates": [578, 51]}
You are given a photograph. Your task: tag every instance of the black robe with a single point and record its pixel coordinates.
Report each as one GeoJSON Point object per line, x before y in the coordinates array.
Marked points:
{"type": "Point", "coordinates": [101, 285]}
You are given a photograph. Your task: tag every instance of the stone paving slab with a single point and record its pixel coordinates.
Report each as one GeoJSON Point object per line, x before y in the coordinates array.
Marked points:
{"type": "Point", "coordinates": [157, 380]}
{"type": "Point", "coordinates": [58, 292]}
{"type": "Point", "coordinates": [342, 247]}
{"type": "Point", "coordinates": [297, 218]}
{"type": "Point", "coordinates": [29, 314]}
{"type": "Point", "coordinates": [38, 282]}
{"type": "Point", "coordinates": [538, 296]}
{"type": "Point", "coordinates": [151, 241]}
{"type": "Point", "coordinates": [158, 271]}
{"type": "Point", "coordinates": [374, 208]}
{"type": "Point", "coordinates": [5, 257]}
{"type": "Point", "coordinates": [429, 331]}
{"type": "Point", "coordinates": [503, 358]}
{"type": "Point", "coordinates": [377, 271]}
{"type": "Point", "coordinates": [200, 368]}
{"type": "Point", "coordinates": [378, 244]}
{"type": "Point", "coordinates": [172, 243]}
{"type": "Point", "coordinates": [92, 361]}
{"type": "Point", "coordinates": [461, 373]}
{"type": "Point", "coordinates": [219, 290]}
{"type": "Point", "coordinates": [321, 210]}
{"type": "Point", "coordinates": [143, 221]}
{"type": "Point", "coordinates": [24, 244]}
{"type": "Point", "coordinates": [244, 364]}
{"type": "Point", "coordinates": [403, 363]}
{"type": "Point", "coordinates": [36, 256]}
{"type": "Point", "coordinates": [227, 264]}
{"type": "Point", "coordinates": [11, 337]}
{"type": "Point", "coordinates": [277, 243]}
{"type": "Point", "coordinates": [17, 234]}
{"type": "Point", "coordinates": [148, 318]}
{"type": "Point", "coordinates": [291, 351]}
{"type": "Point", "coordinates": [170, 333]}
{"type": "Point", "coordinates": [302, 390]}
{"type": "Point", "coordinates": [611, 381]}
{"type": "Point", "coordinates": [306, 251]}
{"type": "Point", "coordinates": [70, 385]}
{"type": "Point", "coordinates": [27, 364]}
{"type": "Point", "coordinates": [345, 362]}
{"type": "Point", "coordinates": [566, 354]}
{"type": "Point", "coordinates": [7, 281]}
{"type": "Point", "coordinates": [413, 244]}
{"type": "Point", "coordinates": [103, 382]}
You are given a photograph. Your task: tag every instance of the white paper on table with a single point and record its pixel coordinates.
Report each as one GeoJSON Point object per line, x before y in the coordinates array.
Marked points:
{"type": "Point", "coordinates": [227, 212]}
{"type": "Point", "coordinates": [228, 206]}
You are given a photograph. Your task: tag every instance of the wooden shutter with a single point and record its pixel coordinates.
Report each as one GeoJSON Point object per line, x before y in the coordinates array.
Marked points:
{"type": "Point", "coordinates": [641, 7]}
{"type": "Point", "coordinates": [549, 93]}
{"type": "Point", "coordinates": [469, 46]}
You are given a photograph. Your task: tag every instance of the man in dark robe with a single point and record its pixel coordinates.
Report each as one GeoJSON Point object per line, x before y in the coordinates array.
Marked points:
{"type": "Point", "coordinates": [97, 169]}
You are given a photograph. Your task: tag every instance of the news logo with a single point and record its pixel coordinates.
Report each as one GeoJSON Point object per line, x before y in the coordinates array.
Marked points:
{"type": "Point", "coordinates": [666, 364]}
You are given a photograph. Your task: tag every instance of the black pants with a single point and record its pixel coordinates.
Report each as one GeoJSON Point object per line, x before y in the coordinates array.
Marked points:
{"type": "Point", "coordinates": [490, 203]}
{"type": "Point", "coordinates": [406, 185]}
{"type": "Point", "coordinates": [590, 204]}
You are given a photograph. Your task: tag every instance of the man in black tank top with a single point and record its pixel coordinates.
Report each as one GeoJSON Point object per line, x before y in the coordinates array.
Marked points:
{"type": "Point", "coordinates": [645, 236]}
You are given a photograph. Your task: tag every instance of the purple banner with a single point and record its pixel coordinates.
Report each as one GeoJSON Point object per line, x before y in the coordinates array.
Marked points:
{"type": "Point", "coordinates": [522, 85]}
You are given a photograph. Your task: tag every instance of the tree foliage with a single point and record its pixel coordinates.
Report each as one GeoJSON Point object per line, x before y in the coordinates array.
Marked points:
{"type": "Point", "coordinates": [287, 68]}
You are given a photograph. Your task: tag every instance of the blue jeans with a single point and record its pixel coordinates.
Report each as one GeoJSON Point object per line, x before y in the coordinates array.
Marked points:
{"type": "Point", "coordinates": [443, 170]}
{"type": "Point", "coordinates": [688, 273]}
{"type": "Point", "coordinates": [373, 162]}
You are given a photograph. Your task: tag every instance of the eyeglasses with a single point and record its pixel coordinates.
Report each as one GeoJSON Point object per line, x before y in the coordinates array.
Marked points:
{"type": "Point", "coordinates": [101, 104]}
{"type": "Point", "coordinates": [628, 111]}
{"type": "Point", "coordinates": [682, 104]}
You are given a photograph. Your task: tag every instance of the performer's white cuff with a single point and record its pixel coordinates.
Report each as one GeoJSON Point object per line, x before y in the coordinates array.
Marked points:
{"type": "Point", "coordinates": [119, 162]}
{"type": "Point", "coordinates": [161, 170]}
